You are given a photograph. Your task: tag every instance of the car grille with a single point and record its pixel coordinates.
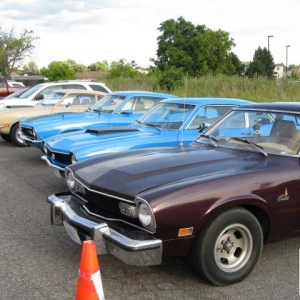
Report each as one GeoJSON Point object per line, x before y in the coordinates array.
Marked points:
{"type": "Point", "coordinates": [104, 205]}
{"type": "Point", "coordinates": [59, 157]}
{"type": "Point", "coordinates": [27, 132]}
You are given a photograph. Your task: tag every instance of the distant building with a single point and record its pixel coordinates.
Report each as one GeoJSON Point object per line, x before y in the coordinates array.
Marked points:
{"type": "Point", "coordinates": [279, 71]}
{"type": "Point", "coordinates": [29, 79]}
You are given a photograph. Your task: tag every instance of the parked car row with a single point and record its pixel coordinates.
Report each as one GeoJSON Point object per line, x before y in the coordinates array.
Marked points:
{"type": "Point", "coordinates": [153, 175]}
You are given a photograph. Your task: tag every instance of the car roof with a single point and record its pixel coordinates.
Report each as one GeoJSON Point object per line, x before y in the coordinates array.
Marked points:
{"type": "Point", "coordinates": [140, 93]}
{"type": "Point", "coordinates": [274, 106]}
{"type": "Point", "coordinates": [65, 91]}
{"type": "Point", "coordinates": [207, 101]}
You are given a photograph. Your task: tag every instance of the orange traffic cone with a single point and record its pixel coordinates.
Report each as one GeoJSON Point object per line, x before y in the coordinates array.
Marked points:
{"type": "Point", "coordinates": [89, 286]}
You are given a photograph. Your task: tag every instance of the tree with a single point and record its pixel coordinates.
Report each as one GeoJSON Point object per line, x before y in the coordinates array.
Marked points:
{"type": "Point", "coordinates": [58, 70]}
{"type": "Point", "coordinates": [15, 49]}
{"type": "Point", "coordinates": [262, 64]}
{"type": "Point", "coordinates": [75, 66]}
{"type": "Point", "coordinates": [99, 66]}
{"type": "Point", "coordinates": [123, 69]}
{"type": "Point", "coordinates": [31, 67]}
{"type": "Point", "coordinates": [170, 79]}
{"type": "Point", "coordinates": [196, 50]}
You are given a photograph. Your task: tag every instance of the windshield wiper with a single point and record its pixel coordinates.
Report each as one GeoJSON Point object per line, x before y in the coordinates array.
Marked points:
{"type": "Point", "coordinates": [152, 125]}
{"type": "Point", "coordinates": [212, 139]}
{"type": "Point", "coordinates": [97, 110]}
{"type": "Point", "coordinates": [259, 148]}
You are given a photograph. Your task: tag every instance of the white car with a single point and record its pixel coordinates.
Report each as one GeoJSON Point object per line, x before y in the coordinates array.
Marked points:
{"type": "Point", "coordinates": [38, 92]}
{"type": "Point", "coordinates": [13, 83]}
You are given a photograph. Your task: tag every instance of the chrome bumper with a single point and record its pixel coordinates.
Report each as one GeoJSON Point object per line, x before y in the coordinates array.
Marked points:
{"type": "Point", "coordinates": [108, 240]}
{"type": "Point", "coordinates": [59, 171]}
{"type": "Point", "coordinates": [27, 139]}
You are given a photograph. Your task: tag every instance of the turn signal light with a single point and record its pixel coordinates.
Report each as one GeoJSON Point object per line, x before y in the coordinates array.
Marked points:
{"type": "Point", "coordinates": [185, 231]}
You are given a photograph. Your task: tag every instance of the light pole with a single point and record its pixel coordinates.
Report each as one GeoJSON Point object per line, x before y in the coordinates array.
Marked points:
{"type": "Point", "coordinates": [268, 62]}
{"type": "Point", "coordinates": [286, 62]}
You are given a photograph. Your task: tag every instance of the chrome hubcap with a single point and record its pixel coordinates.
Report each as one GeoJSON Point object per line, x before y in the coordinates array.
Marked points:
{"type": "Point", "coordinates": [18, 136]}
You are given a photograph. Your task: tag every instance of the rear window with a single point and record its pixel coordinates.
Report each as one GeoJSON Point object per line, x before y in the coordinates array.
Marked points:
{"type": "Point", "coordinates": [98, 88]}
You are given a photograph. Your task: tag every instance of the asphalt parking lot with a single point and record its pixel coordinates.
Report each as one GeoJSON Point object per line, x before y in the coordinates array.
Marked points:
{"type": "Point", "coordinates": [38, 261]}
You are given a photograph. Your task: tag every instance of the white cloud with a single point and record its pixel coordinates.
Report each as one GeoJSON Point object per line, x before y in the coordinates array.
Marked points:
{"type": "Point", "coordinates": [97, 30]}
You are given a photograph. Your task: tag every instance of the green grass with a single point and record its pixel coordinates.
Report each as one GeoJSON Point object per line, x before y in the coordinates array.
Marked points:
{"type": "Point", "coordinates": [258, 89]}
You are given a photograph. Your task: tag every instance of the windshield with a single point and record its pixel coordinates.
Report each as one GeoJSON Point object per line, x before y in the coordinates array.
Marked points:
{"type": "Point", "coordinates": [167, 115]}
{"type": "Point", "coordinates": [15, 94]}
{"type": "Point", "coordinates": [108, 103]}
{"type": "Point", "coordinates": [30, 91]}
{"type": "Point", "coordinates": [264, 131]}
{"type": "Point", "coordinates": [52, 99]}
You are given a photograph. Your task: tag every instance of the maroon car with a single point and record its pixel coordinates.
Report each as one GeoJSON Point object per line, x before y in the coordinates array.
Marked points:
{"type": "Point", "coordinates": [216, 200]}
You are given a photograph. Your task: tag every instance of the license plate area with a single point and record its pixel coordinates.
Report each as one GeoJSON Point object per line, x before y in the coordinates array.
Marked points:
{"type": "Point", "coordinates": [72, 232]}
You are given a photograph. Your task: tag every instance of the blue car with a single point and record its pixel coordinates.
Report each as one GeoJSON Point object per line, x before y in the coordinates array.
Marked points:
{"type": "Point", "coordinates": [171, 122]}
{"type": "Point", "coordinates": [114, 109]}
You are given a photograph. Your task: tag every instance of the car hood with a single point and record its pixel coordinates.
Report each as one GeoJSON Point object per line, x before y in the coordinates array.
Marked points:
{"type": "Point", "coordinates": [133, 172]}
{"type": "Point", "coordinates": [57, 119]}
{"type": "Point", "coordinates": [69, 141]}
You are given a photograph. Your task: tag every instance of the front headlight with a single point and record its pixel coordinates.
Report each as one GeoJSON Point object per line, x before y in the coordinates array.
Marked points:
{"type": "Point", "coordinates": [2, 105]}
{"type": "Point", "coordinates": [74, 185]}
{"type": "Point", "coordinates": [34, 133]}
{"type": "Point", "coordinates": [73, 159]}
{"type": "Point", "coordinates": [70, 180]}
{"type": "Point", "coordinates": [145, 215]}
{"type": "Point", "coordinates": [45, 149]}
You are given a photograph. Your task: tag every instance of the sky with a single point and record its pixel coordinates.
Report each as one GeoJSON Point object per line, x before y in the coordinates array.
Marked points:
{"type": "Point", "coordinates": [97, 30]}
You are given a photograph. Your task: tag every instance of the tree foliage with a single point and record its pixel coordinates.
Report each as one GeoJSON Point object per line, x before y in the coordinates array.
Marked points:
{"type": "Point", "coordinates": [195, 50]}
{"type": "Point", "coordinates": [58, 70]}
{"type": "Point", "coordinates": [15, 49]}
{"type": "Point", "coordinates": [262, 64]}
{"type": "Point", "coordinates": [31, 67]}
{"type": "Point", "coordinates": [123, 69]}
{"type": "Point", "coordinates": [99, 66]}
{"type": "Point", "coordinates": [75, 66]}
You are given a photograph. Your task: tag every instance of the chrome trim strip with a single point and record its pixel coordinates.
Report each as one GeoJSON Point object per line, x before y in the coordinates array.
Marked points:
{"type": "Point", "coordinates": [97, 192]}
{"type": "Point", "coordinates": [117, 220]}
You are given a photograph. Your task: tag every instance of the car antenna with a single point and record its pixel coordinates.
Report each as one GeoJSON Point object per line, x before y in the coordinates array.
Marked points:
{"type": "Point", "coordinates": [185, 91]}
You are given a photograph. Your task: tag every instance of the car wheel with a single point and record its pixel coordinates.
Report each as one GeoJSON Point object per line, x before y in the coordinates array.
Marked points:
{"type": "Point", "coordinates": [228, 247]}
{"type": "Point", "coordinates": [15, 136]}
{"type": "Point", "coordinates": [6, 137]}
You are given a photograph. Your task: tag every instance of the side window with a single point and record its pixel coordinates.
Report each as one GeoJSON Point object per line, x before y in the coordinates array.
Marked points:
{"type": "Point", "coordinates": [128, 105]}
{"type": "Point", "coordinates": [79, 99]}
{"type": "Point", "coordinates": [45, 92]}
{"type": "Point", "coordinates": [1, 84]}
{"type": "Point", "coordinates": [209, 115]}
{"type": "Point", "coordinates": [143, 104]}
{"type": "Point", "coordinates": [98, 88]}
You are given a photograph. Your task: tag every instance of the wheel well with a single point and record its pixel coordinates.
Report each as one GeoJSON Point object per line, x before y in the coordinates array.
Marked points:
{"type": "Point", "coordinates": [259, 213]}
{"type": "Point", "coordinates": [15, 124]}
{"type": "Point", "coordinates": [262, 218]}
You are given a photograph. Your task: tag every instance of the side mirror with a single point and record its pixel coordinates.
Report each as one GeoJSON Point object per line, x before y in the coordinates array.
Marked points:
{"type": "Point", "coordinates": [39, 97]}
{"type": "Point", "coordinates": [127, 112]}
{"type": "Point", "coordinates": [203, 127]}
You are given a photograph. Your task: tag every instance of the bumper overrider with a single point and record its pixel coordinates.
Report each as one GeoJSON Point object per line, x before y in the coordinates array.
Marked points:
{"type": "Point", "coordinates": [65, 210]}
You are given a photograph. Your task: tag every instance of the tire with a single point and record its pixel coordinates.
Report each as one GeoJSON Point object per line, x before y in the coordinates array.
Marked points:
{"type": "Point", "coordinates": [228, 247]}
{"type": "Point", "coordinates": [6, 137]}
{"type": "Point", "coordinates": [15, 136]}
